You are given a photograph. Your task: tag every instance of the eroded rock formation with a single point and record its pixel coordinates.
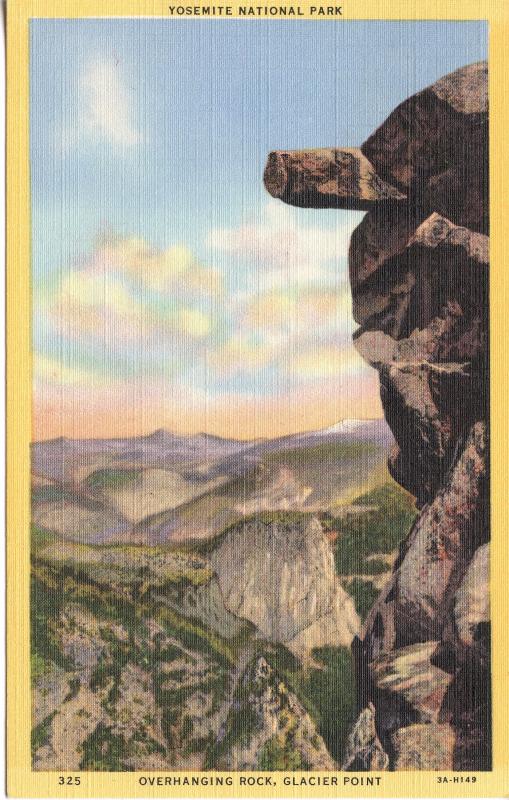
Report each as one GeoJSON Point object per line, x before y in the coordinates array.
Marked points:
{"type": "Point", "coordinates": [419, 279]}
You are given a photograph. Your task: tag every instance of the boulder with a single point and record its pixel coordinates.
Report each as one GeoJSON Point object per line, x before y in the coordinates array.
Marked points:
{"type": "Point", "coordinates": [407, 682]}
{"type": "Point", "coordinates": [472, 599]}
{"type": "Point", "coordinates": [327, 179]}
{"type": "Point", "coordinates": [434, 146]}
{"type": "Point", "coordinates": [429, 747]}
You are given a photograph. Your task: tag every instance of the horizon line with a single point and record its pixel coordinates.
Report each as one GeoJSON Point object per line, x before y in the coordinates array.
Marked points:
{"type": "Point", "coordinates": [200, 433]}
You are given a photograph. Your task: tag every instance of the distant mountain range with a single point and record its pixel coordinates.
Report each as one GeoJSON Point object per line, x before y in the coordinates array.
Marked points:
{"type": "Point", "coordinates": [63, 459]}
{"type": "Point", "coordinates": [171, 487]}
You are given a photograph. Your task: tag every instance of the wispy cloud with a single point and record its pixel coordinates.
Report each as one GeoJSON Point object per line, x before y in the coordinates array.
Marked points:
{"type": "Point", "coordinates": [108, 103]}
{"type": "Point", "coordinates": [103, 111]}
{"type": "Point", "coordinates": [282, 249]}
{"type": "Point", "coordinates": [50, 370]}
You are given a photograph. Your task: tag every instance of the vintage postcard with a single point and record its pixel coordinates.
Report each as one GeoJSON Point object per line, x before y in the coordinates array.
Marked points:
{"type": "Point", "coordinates": [256, 399]}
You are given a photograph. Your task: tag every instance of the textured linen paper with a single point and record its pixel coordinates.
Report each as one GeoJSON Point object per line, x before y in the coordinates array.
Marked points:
{"type": "Point", "coordinates": [256, 437]}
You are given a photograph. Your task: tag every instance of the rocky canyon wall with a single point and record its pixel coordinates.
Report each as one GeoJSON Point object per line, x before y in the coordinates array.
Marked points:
{"type": "Point", "coordinates": [419, 279]}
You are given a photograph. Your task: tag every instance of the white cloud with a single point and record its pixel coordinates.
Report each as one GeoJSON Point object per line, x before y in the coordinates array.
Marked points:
{"type": "Point", "coordinates": [159, 269]}
{"type": "Point", "coordinates": [302, 312]}
{"type": "Point", "coordinates": [241, 353]}
{"type": "Point", "coordinates": [296, 300]}
{"type": "Point", "coordinates": [108, 111]}
{"type": "Point", "coordinates": [104, 109]}
{"type": "Point", "coordinates": [282, 251]}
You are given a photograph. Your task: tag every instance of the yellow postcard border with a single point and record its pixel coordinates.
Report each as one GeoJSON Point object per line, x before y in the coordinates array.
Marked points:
{"type": "Point", "coordinates": [21, 781]}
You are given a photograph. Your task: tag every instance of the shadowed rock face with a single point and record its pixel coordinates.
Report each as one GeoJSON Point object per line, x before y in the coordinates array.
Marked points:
{"type": "Point", "coordinates": [419, 277]}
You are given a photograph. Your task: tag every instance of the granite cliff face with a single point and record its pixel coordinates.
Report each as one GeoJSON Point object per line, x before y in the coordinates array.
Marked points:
{"type": "Point", "coordinates": [419, 279]}
{"type": "Point", "coordinates": [281, 577]}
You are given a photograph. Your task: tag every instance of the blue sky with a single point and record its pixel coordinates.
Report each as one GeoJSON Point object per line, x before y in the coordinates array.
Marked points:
{"type": "Point", "coordinates": [161, 267]}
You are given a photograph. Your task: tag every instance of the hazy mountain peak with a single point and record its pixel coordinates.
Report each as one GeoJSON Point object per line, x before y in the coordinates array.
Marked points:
{"type": "Point", "coordinates": [161, 435]}
{"type": "Point", "coordinates": [346, 425]}
{"type": "Point", "coordinates": [209, 437]}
